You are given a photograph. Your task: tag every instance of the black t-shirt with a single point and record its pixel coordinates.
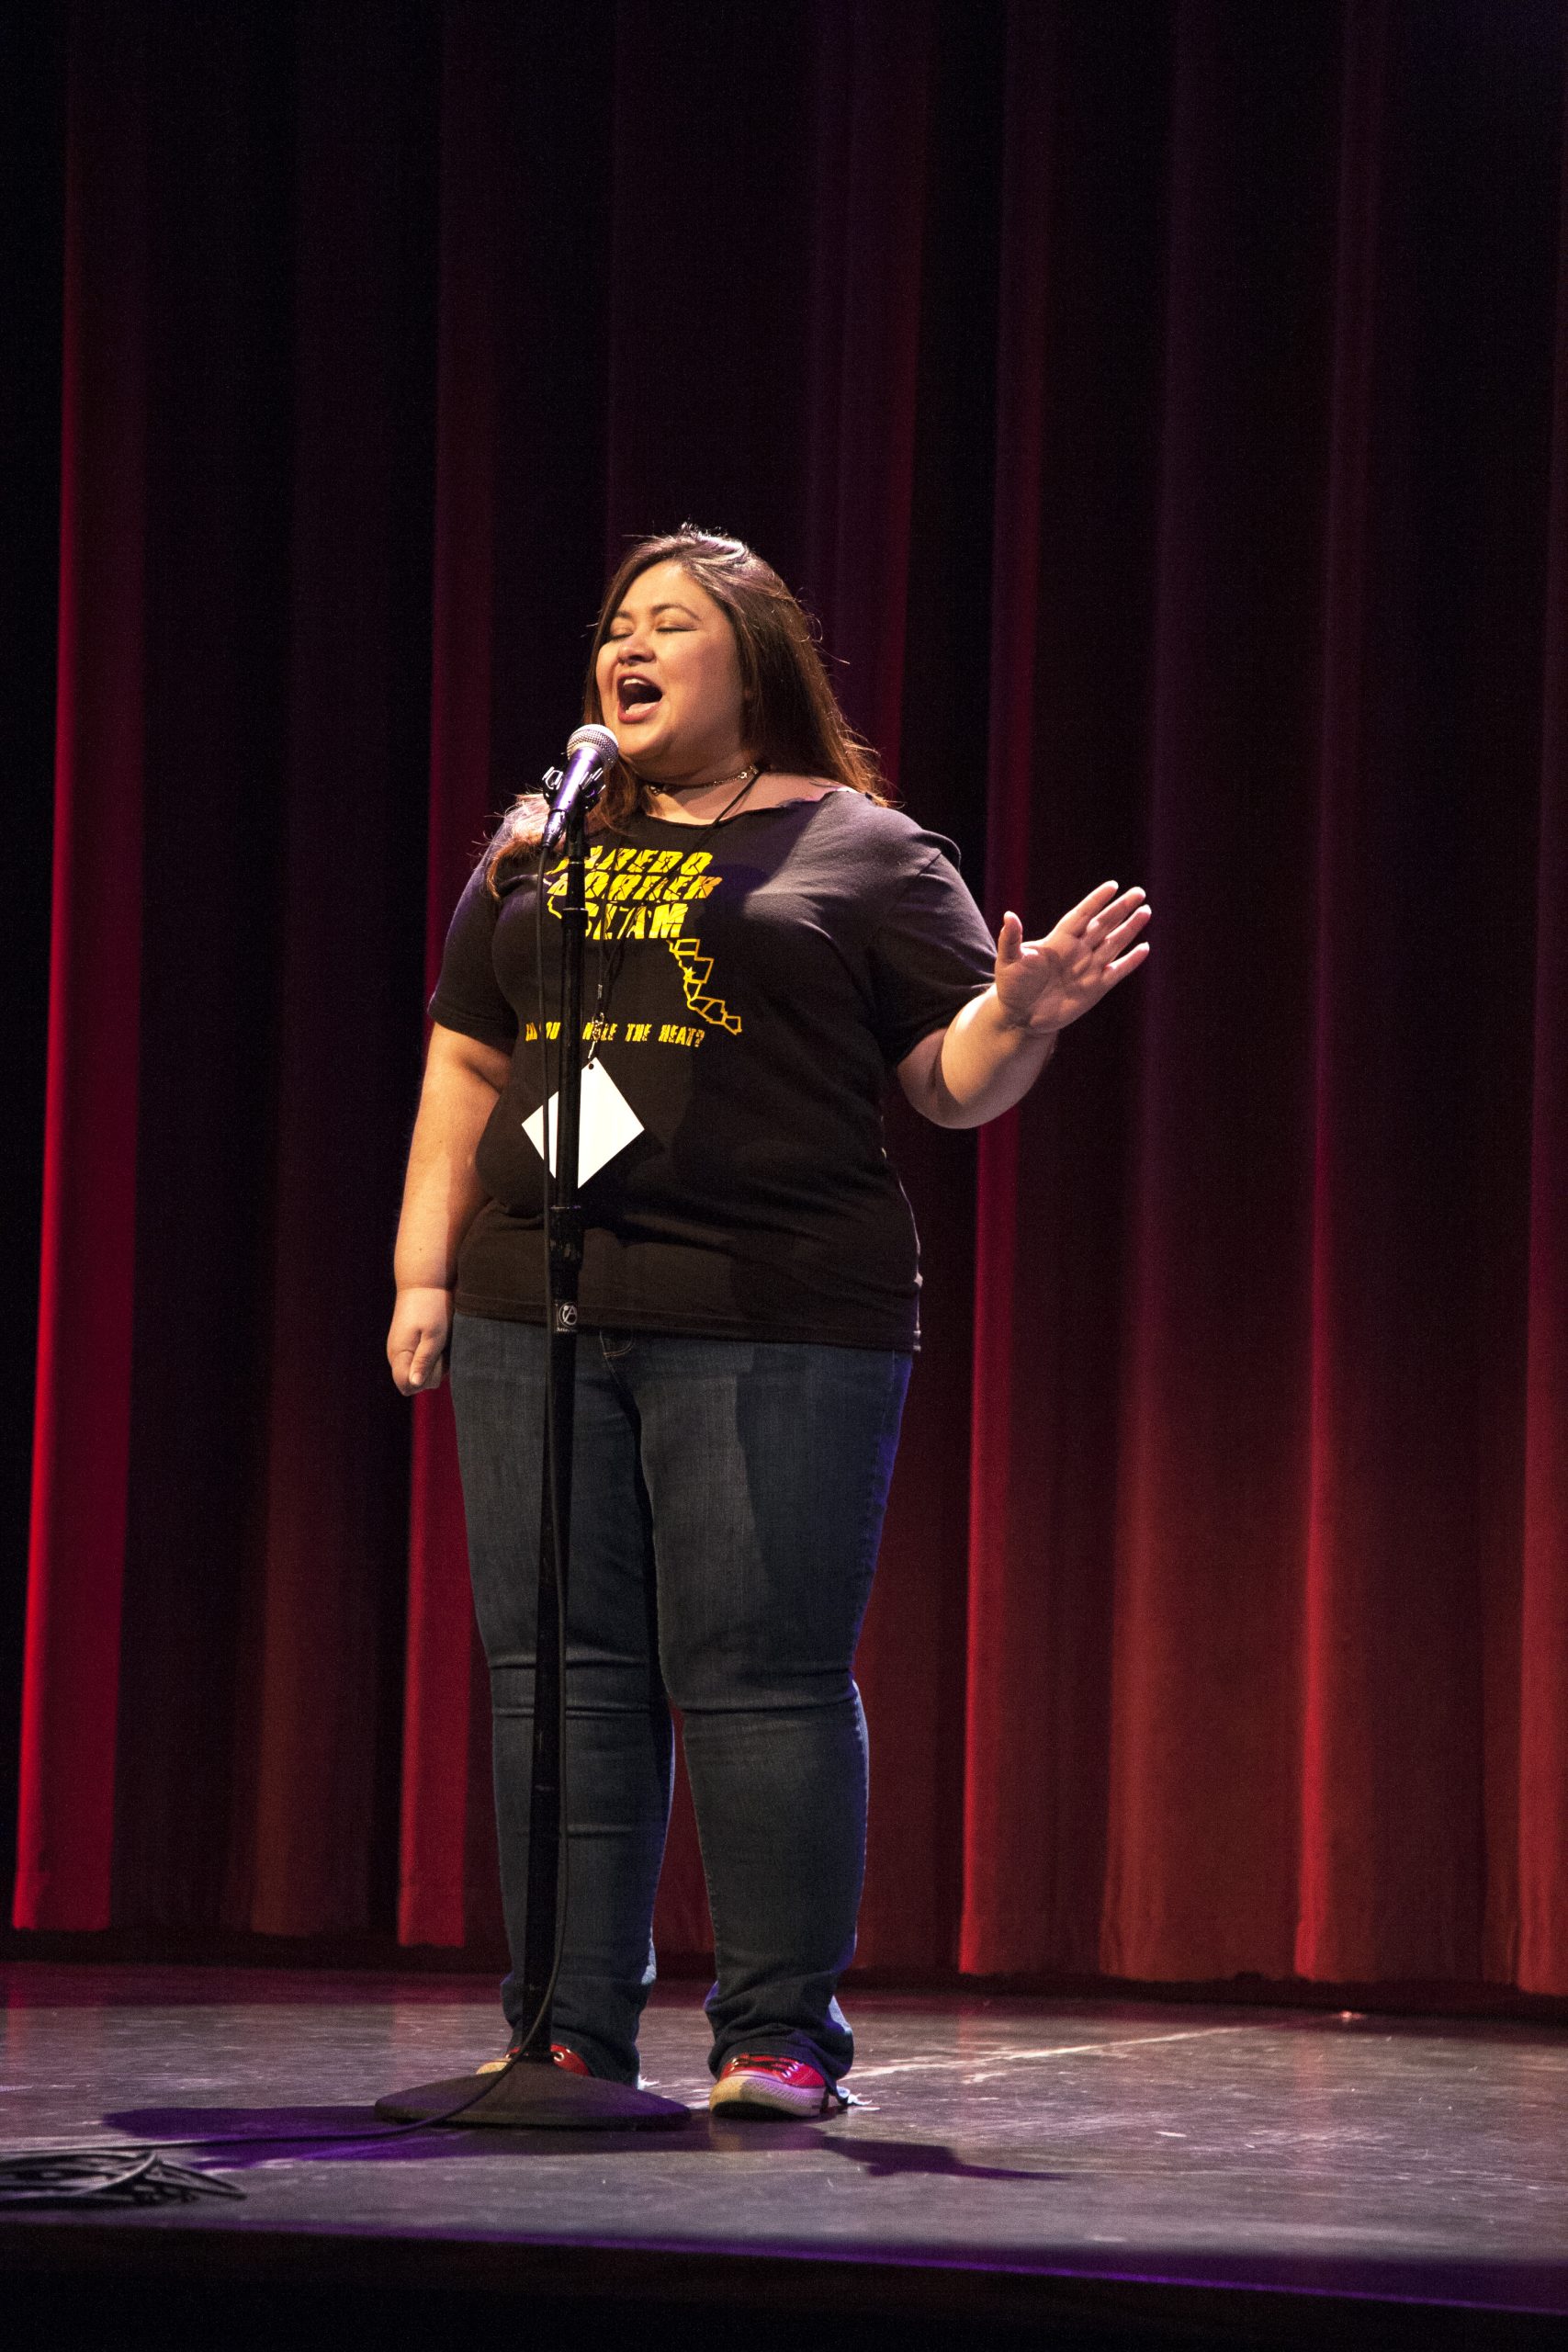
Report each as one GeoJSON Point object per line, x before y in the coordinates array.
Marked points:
{"type": "Point", "coordinates": [754, 982]}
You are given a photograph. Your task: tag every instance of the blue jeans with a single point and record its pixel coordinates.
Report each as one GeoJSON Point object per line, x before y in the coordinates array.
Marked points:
{"type": "Point", "coordinates": [727, 1509]}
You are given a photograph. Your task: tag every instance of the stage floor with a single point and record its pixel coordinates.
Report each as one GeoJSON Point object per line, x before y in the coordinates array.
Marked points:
{"type": "Point", "coordinates": [1008, 2158]}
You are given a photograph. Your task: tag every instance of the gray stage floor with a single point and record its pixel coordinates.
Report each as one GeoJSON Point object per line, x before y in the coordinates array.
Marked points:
{"type": "Point", "coordinates": [1358, 2155]}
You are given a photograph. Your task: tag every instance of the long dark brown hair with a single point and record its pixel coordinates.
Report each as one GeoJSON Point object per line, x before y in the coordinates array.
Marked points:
{"type": "Point", "coordinates": [790, 715]}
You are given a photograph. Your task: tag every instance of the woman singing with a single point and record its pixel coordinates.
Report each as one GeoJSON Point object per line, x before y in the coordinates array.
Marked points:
{"type": "Point", "coordinates": [767, 941]}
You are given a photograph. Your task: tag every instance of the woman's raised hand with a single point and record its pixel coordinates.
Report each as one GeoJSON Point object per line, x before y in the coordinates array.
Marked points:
{"type": "Point", "coordinates": [416, 1344]}
{"type": "Point", "coordinates": [1044, 984]}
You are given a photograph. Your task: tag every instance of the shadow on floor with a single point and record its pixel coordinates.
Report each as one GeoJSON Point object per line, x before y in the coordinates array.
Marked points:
{"type": "Point", "coordinates": [240, 2137]}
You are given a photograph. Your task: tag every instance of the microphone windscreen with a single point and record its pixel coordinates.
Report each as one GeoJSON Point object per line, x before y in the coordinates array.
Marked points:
{"type": "Point", "coordinates": [596, 739]}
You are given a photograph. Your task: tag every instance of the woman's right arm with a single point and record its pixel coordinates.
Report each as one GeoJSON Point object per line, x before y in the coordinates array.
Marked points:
{"type": "Point", "coordinates": [442, 1195]}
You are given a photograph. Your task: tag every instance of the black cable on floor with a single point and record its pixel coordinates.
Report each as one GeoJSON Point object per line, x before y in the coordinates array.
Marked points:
{"type": "Point", "coordinates": [134, 2178]}
{"type": "Point", "coordinates": [133, 2173]}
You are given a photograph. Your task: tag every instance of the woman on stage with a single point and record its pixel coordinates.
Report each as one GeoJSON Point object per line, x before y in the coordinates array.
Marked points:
{"type": "Point", "coordinates": [768, 941]}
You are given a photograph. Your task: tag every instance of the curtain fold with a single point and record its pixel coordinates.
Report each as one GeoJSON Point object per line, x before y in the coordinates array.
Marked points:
{"type": "Point", "coordinates": [1081, 294]}
{"type": "Point", "coordinates": [1204, 1700]}
{"type": "Point", "coordinates": [438, 1667]}
{"type": "Point", "coordinates": [1541, 1790]}
{"type": "Point", "coordinates": [1163, 409]}
{"type": "Point", "coordinates": [81, 1427]}
{"type": "Point", "coordinates": [327, 1700]}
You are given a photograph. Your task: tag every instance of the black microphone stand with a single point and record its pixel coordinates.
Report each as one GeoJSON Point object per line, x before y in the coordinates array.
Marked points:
{"type": "Point", "coordinates": [534, 2093]}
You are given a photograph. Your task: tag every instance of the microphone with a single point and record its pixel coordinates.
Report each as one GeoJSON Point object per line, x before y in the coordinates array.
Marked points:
{"type": "Point", "coordinates": [588, 754]}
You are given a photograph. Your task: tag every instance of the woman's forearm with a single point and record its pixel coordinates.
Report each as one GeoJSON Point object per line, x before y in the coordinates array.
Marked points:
{"type": "Point", "coordinates": [442, 1192]}
{"type": "Point", "coordinates": [984, 1063]}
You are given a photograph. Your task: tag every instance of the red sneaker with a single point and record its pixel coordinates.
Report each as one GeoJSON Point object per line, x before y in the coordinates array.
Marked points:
{"type": "Point", "coordinates": [568, 2059]}
{"type": "Point", "coordinates": [768, 2085]}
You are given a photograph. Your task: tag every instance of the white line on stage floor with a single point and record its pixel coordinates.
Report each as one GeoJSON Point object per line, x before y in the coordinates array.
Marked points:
{"type": "Point", "coordinates": [981, 2059]}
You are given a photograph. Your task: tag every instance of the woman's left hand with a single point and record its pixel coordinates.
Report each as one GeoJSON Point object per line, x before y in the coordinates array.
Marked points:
{"type": "Point", "coordinates": [1046, 984]}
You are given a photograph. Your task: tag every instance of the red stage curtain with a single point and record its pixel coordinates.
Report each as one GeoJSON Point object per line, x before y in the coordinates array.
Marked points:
{"type": "Point", "coordinates": [1166, 410]}
{"type": "Point", "coordinates": [84, 1407]}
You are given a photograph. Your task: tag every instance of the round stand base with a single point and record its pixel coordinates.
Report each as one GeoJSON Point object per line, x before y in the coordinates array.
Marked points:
{"type": "Point", "coordinates": [535, 2097]}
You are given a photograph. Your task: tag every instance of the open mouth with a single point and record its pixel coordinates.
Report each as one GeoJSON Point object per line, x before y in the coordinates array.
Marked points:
{"type": "Point", "coordinates": [636, 697]}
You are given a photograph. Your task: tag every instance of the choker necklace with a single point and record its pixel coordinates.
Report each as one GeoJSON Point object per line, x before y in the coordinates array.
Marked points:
{"type": "Point", "coordinates": [745, 777]}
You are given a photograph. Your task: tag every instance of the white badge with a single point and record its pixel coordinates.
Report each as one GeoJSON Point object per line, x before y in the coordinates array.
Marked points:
{"type": "Point", "coordinates": [606, 1124]}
